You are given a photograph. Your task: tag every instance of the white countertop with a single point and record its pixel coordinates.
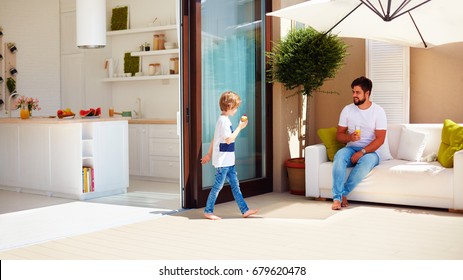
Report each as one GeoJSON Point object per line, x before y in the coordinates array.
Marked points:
{"type": "Point", "coordinates": [55, 120]}
{"type": "Point", "coordinates": [76, 119]}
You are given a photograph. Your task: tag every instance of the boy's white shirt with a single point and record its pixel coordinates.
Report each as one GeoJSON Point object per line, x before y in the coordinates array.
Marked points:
{"type": "Point", "coordinates": [223, 130]}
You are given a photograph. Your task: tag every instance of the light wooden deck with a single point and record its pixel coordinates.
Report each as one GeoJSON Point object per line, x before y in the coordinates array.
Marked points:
{"type": "Point", "coordinates": [287, 227]}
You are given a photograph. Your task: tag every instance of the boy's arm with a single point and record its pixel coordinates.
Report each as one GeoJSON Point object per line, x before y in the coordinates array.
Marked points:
{"type": "Point", "coordinates": [208, 156]}
{"type": "Point", "coordinates": [235, 133]}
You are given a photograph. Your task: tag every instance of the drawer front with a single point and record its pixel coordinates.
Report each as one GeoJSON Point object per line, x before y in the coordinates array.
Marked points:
{"type": "Point", "coordinates": [163, 131]}
{"type": "Point", "coordinates": [164, 147]}
{"type": "Point", "coordinates": [165, 167]}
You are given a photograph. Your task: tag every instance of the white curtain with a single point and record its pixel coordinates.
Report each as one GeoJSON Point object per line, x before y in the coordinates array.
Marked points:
{"type": "Point", "coordinates": [229, 63]}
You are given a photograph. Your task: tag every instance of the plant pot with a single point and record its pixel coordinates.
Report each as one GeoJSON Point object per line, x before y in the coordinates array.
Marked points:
{"type": "Point", "coordinates": [296, 175]}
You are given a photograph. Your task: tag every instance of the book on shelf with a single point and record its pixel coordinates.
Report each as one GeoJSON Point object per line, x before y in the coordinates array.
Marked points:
{"type": "Point", "coordinates": [88, 182]}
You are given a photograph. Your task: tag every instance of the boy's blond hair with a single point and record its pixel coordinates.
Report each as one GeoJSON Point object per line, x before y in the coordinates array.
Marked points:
{"type": "Point", "coordinates": [229, 101]}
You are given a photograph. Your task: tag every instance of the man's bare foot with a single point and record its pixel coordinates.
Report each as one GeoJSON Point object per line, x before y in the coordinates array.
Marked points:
{"type": "Point", "coordinates": [344, 202]}
{"type": "Point", "coordinates": [336, 205]}
{"type": "Point", "coordinates": [250, 212]}
{"type": "Point", "coordinates": [211, 216]}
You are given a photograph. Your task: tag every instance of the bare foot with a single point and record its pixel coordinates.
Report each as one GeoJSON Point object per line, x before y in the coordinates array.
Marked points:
{"type": "Point", "coordinates": [336, 205]}
{"type": "Point", "coordinates": [211, 216]}
{"type": "Point", "coordinates": [344, 202]}
{"type": "Point", "coordinates": [250, 212]}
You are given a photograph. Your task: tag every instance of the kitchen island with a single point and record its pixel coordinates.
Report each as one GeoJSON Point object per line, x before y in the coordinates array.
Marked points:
{"type": "Point", "coordinates": [71, 158]}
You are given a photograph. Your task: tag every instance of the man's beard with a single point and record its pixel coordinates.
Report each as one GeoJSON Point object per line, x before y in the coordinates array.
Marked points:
{"type": "Point", "coordinates": [359, 101]}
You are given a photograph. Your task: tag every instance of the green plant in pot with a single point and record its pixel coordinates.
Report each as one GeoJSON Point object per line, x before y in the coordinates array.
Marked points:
{"type": "Point", "coordinates": [11, 84]}
{"type": "Point", "coordinates": [303, 61]}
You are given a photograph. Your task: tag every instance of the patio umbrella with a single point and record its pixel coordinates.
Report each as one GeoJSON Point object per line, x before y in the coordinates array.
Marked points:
{"type": "Point", "coordinates": [415, 23]}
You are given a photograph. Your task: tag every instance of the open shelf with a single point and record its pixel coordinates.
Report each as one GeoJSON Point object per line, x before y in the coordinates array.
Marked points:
{"type": "Point", "coordinates": [141, 30]}
{"type": "Point", "coordinates": [159, 52]}
{"type": "Point", "coordinates": [141, 78]}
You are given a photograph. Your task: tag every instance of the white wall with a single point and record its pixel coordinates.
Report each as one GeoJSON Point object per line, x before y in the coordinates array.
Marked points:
{"type": "Point", "coordinates": [34, 27]}
{"type": "Point", "coordinates": [159, 98]}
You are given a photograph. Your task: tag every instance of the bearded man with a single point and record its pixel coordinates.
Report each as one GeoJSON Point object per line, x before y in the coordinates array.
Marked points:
{"type": "Point", "coordinates": [362, 126]}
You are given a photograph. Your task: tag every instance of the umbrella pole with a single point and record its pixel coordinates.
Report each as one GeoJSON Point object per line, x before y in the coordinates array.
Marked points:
{"type": "Point", "coordinates": [344, 18]}
{"type": "Point", "coordinates": [417, 29]}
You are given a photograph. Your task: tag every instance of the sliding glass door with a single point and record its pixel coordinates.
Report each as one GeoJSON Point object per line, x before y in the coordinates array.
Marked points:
{"type": "Point", "coordinates": [228, 54]}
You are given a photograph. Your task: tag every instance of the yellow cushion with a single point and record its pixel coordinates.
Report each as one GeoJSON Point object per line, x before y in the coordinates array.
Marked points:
{"type": "Point", "coordinates": [328, 137]}
{"type": "Point", "coordinates": [452, 141]}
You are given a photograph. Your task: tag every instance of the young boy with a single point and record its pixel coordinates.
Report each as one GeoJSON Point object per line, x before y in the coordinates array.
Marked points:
{"type": "Point", "coordinates": [222, 151]}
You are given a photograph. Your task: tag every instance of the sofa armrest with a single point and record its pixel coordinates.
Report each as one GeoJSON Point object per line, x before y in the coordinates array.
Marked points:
{"type": "Point", "coordinates": [314, 156]}
{"type": "Point", "coordinates": [458, 180]}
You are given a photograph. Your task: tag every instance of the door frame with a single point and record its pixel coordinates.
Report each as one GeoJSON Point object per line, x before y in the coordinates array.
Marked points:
{"type": "Point", "coordinates": [191, 124]}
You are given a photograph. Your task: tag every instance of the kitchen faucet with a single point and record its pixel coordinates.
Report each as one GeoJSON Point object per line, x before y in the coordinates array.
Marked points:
{"type": "Point", "coordinates": [8, 105]}
{"type": "Point", "coordinates": [138, 112]}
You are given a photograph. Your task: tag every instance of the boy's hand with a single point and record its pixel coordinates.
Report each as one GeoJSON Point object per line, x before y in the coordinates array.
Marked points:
{"type": "Point", "coordinates": [206, 159]}
{"type": "Point", "coordinates": [243, 124]}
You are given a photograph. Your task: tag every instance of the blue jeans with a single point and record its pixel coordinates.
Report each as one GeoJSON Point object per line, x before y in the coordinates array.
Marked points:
{"type": "Point", "coordinates": [341, 186]}
{"type": "Point", "coordinates": [222, 173]}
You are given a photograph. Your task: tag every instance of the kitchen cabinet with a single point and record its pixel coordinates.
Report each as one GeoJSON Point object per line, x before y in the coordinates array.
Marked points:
{"type": "Point", "coordinates": [164, 152]}
{"type": "Point", "coordinates": [138, 150]}
{"type": "Point", "coordinates": [154, 151]}
{"type": "Point", "coordinates": [47, 156]}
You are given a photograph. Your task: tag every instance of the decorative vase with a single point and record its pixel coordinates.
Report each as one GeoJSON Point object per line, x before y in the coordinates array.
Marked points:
{"type": "Point", "coordinates": [24, 113]}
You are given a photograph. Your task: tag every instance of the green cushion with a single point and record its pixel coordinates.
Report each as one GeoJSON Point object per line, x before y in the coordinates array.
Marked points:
{"type": "Point", "coordinates": [328, 137]}
{"type": "Point", "coordinates": [452, 141]}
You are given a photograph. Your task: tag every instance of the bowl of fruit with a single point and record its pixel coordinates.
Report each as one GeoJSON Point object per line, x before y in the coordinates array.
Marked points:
{"type": "Point", "coordinates": [65, 113]}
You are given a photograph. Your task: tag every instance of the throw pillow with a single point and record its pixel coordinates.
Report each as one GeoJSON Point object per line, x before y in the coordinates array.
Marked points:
{"type": "Point", "coordinates": [328, 137]}
{"type": "Point", "coordinates": [452, 141]}
{"type": "Point", "coordinates": [383, 152]}
{"type": "Point", "coordinates": [411, 144]}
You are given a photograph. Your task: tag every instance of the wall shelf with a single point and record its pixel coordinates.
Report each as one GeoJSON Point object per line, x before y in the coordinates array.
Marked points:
{"type": "Point", "coordinates": [159, 52]}
{"type": "Point", "coordinates": [141, 78]}
{"type": "Point", "coordinates": [141, 30]}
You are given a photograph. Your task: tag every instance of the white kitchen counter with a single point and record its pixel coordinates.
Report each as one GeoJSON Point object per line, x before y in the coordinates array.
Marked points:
{"type": "Point", "coordinates": [47, 156]}
{"type": "Point", "coordinates": [55, 120]}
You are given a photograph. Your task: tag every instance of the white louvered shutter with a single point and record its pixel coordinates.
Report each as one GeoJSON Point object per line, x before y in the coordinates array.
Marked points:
{"type": "Point", "coordinates": [388, 66]}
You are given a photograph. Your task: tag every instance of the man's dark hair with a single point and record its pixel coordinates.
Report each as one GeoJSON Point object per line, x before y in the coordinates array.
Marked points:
{"type": "Point", "coordinates": [364, 83]}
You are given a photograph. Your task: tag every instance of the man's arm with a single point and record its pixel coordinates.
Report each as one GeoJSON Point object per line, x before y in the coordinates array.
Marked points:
{"type": "Point", "coordinates": [379, 140]}
{"type": "Point", "coordinates": [373, 146]}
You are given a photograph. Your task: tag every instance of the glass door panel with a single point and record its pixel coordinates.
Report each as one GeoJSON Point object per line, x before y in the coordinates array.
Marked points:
{"type": "Point", "coordinates": [223, 50]}
{"type": "Point", "coordinates": [232, 60]}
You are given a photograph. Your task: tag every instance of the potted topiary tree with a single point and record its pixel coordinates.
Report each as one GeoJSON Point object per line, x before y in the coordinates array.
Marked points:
{"type": "Point", "coordinates": [303, 60]}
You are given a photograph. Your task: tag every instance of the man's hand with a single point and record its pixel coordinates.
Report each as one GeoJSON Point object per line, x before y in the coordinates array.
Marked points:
{"type": "Point", "coordinates": [355, 136]}
{"type": "Point", "coordinates": [355, 157]}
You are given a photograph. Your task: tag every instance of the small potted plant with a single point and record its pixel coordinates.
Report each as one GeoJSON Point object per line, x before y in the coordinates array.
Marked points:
{"type": "Point", "coordinates": [11, 84]}
{"type": "Point", "coordinates": [303, 61]}
{"type": "Point", "coordinates": [27, 104]}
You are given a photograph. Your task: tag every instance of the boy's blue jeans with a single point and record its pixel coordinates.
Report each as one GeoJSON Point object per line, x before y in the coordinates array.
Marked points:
{"type": "Point", "coordinates": [341, 186]}
{"type": "Point", "coordinates": [222, 173]}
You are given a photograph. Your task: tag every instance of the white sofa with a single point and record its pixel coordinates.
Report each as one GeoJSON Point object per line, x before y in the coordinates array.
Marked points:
{"type": "Point", "coordinates": [395, 181]}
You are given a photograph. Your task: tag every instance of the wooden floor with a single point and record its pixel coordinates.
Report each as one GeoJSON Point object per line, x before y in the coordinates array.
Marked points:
{"type": "Point", "coordinates": [287, 227]}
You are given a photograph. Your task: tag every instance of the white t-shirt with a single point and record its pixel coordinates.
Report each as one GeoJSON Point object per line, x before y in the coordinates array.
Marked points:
{"type": "Point", "coordinates": [369, 120]}
{"type": "Point", "coordinates": [223, 154]}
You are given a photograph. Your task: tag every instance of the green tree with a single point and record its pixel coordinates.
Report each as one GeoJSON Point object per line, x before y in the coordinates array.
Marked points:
{"type": "Point", "coordinates": [304, 60]}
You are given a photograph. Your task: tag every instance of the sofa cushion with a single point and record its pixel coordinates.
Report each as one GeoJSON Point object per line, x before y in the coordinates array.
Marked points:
{"type": "Point", "coordinates": [412, 144]}
{"type": "Point", "coordinates": [452, 141]}
{"type": "Point", "coordinates": [328, 137]}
